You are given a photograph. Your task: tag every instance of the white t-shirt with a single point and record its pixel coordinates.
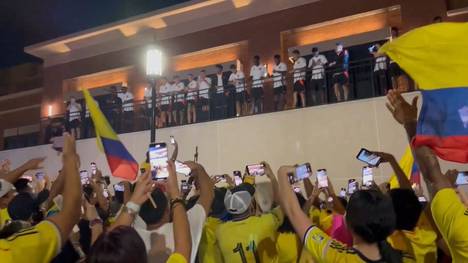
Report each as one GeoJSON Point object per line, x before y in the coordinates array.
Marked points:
{"type": "Point", "coordinates": [204, 86]}
{"type": "Point", "coordinates": [74, 110]}
{"type": "Point", "coordinates": [238, 79]}
{"type": "Point", "coordinates": [317, 63]}
{"type": "Point", "coordinates": [148, 94]}
{"type": "Point", "coordinates": [278, 78]}
{"type": "Point", "coordinates": [164, 91]}
{"type": "Point", "coordinates": [178, 89]}
{"type": "Point", "coordinates": [192, 90]}
{"type": "Point", "coordinates": [380, 63]}
{"type": "Point", "coordinates": [196, 217]}
{"type": "Point", "coordinates": [257, 73]}
{"type": "Point", "coordinates": [126, 97]}
{"type": "Point", "coordinates": [299, 69]}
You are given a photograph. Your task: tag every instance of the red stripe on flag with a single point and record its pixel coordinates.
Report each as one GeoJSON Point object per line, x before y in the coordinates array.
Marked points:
{"type": "Point", "coordinates": [450, 148]}
{"type": "Point", "coordinates": [127, 170]}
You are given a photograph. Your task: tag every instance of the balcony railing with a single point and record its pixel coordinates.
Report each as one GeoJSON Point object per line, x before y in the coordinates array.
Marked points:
{"type": "Point", "coordinates": [229, 101]}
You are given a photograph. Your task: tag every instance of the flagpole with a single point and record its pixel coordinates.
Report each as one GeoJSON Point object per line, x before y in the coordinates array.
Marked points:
{"type": "Point", "coordinates": [153, 110]}
{"type": "Point", "coordinates": [153, 71]}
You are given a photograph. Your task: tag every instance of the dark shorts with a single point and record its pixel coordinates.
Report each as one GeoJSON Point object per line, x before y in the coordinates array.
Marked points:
{"type": "Point", "coordinates": [317, 84]}
{"type": "Point", "coordinates": [164, 107]}
{"type": "Point", "coordinates": [257, 93]}
{"type": "Point", "coordinates": [299, 86]}
{"type": "Point", "coordinates": [340, 78]}
{"type": "Point", "coordinates": [75, 123]}
{"type": "Point", "coordinates": [395, 70]}
{"type": "Point", "coordinates": [240, 96]}
{"type": "Point", "coordinates": [203, 101]}
{"type": "Point", "coordinates": [279, 90]}
{"type": "Point", "coordinates": [179, 106]}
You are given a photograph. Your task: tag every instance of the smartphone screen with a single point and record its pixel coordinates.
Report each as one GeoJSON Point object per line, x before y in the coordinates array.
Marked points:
{"type": "Point", "coordinates": [237, 177]}
{"type": "Point", "coordinates": [297, 189]}
{"type": "Point", "coordinates": [184, 186]}
{"type": "Point", "coordinates": [367, 176]}
{"type": "Point", "coordinates": [303, 171]}
{"type": "Point", "coordinates": [256, 169]}
{"type": "Point", "coordinates": [462, 178]}
{"type": "Point", "coordinates": [368, 157]}
{"type": "Point", "coordinates": [93, 168]}
{"type": "Point", "coordinates": [292, 179]}
{"type": "Point", "coordinates": [352, 186]}
{"type": "Point", "coordinates": [118, 188]}
{"type": "Point", "coordinates": [40, 175]}
{"type": "Point", "coordinates": [181, 168]}
{"type": "Point", "coordinates": [172, 140]}
{"type": "Point", "coordinates": [84, 175]}
{"type": "Point", "coordinates": [322, 178]}
{"type": "Point", "coordinates": [158, 161]}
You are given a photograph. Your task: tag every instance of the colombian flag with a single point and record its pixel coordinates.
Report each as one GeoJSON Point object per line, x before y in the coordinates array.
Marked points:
{"type": "Point", "coordinates": [121, 162]}
{"type": "Point", "coordinates": [409, 167]}
{"type": "Point", "coordinates": [436, 57]}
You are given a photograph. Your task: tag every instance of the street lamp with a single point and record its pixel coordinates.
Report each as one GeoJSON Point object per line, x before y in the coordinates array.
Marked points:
{"type": "Point", "coordinates": [153, 71]}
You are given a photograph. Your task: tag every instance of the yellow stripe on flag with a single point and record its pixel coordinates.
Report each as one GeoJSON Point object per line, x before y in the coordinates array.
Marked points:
{"type": "Point", "coordinates": [406, 164]}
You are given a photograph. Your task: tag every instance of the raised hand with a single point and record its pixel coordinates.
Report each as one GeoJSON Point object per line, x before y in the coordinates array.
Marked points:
{"type": "Point", "coordinates": [172, 184]}
{"type": "Point", "coordinates": [35, 163]}
{"type": "Point", "coordinates": [402, 111]}
{"type": "Point", "coordinates": [143, 187]}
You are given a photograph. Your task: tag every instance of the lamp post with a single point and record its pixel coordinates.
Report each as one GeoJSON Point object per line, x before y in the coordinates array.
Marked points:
{"type": "Point", "coordinates": [153, 71]}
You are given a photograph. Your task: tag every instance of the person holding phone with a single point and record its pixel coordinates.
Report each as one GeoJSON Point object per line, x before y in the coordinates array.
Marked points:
{"type": "Point", "coordinates": [204, 85]}
{"type": "Point", "coordinates": [74, 117]}
{"type": "Point", "coordinates": [237, 79]}
{"type": "Point", "coordinates": [280, 69]}
{"type": "Point", "coordinates": [257, 74]}
{"type": "Point", "coordinates": [192, 98]}
{"type": "Point", "coordinates": [339, 65]}
{"type": "Point", "coordinates": [165, 99]}
{"type": "Point", "coordinates": [178, 111]}
{"type": "Point", "coordinates": [299, 70]}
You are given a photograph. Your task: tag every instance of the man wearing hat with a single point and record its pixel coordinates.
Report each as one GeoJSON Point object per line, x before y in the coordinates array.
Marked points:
{"type": "Point", "coordinates": [249, 238]}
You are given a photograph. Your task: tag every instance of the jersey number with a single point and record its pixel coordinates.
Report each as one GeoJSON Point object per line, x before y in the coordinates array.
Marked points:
{"type": "Point", "coordinates": [240, 249]}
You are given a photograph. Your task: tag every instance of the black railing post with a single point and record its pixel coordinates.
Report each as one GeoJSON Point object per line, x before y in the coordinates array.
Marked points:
{"type": "Point", "coordinates": [153, 110]}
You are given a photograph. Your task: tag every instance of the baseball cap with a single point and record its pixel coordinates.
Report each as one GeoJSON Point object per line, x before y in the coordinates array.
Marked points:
{"type": "Point", "coordinates": [5, 187]}
{"type": "Point", "coordinates": [24, 205]}
{"type": "Point", "coordinates": [238, 199]}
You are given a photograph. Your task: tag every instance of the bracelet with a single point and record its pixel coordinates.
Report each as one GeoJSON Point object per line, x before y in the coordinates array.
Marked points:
{"type": "Point", "coordinates": [96, 221]}
{"type": "Point", "coordinates": [176, 201]}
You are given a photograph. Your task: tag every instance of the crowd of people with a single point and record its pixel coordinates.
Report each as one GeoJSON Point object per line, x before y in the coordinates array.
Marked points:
{"type": "Point", "coordinates": [232, 93]}
{"type": "Point", "coordinates": [83, 217]}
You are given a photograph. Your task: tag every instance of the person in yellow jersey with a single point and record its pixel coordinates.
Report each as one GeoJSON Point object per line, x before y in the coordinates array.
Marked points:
{"type": "Point", "coordinates": [448, 211]}
{"type": "Point", "coordinates": [42, 242]}
{"type": "Point", "coordinates": [370, 219]}
{"type": "Point", "coordinates": [249, 238]}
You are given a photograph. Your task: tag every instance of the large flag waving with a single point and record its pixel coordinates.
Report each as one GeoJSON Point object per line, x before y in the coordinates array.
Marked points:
{"type": "Point", "coordinates": [436, 57]}
{"type": "Point", "coordinates": [121, 162]}
{"type": "Point", "coordinates": [409, 167]}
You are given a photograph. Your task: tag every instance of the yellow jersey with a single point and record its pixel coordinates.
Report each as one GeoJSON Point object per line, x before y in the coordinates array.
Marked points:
{"type": "Point", "coordinates": [4, 217]}
{"type": "Point", "coordinates": [324, 249]}
{"type": "Point", "coordinates": [451, 218]}
{"type": "Point", "coordinates": [321, 218]}
{"type": "Point", "coordinates": [176, 258]}
{"type": "Point", "coordinates": [289, 246]}
{"type": "Point", "coordinates": [250, 240]}
{"type": "Point", "coordinates": [208, 251]}
{"type": "Point", "coordinates": [419, 243]}
{"type": "Point", "coordinates": [40, 243]}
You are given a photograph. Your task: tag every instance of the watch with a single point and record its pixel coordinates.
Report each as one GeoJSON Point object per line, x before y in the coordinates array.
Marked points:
{"type": "Point", "coordinates": [132, 208]}
{"type": "Point", "coordinates": [176, 201]}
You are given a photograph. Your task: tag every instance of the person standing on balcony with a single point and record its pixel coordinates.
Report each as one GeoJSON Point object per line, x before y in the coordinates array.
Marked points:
{"type": "Point", "coordinates": [74, 117]}
{"type": "Point", "coordinates": [257, 73]}
{"type": "Point", "coordinates": [279, 82]}
{"type": "Point", "coordinates": [220, 80]}
{"type": "Point", "coordinates": [88, 123]}
{"type": "Point", "coordinates": [165, 90]}
{"type": "Point", "coordinates": [204, 86]}
{"type": "Point", "coordinates": [397, 75]}
{"type": "Point", "coordinates": [127, 109]}
{"type": "Point", "coordinates": [113, 109]}
{"type": "Point", "coordinates": [237, 79]}
{"type": "Point", "coordinates": [299, 70]}
{"type": "Point", "coordinates": [192, 98]}
{"type": "Point", "coordinates": [178, 111]}
{"type": "Point", "coordinates": [340, 66]}
{"type": "Point", "coordinates": [318, 86]}
{"type": "Point", "coordinates": [149, 106]}
{"type": "Point", "coordinates": [380, 71]}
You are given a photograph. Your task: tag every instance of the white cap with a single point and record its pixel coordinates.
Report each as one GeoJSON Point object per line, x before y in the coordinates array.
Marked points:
{"type": "Point", "coordinates": [238, 202]}
{"type": "Point", "coordinates": [5, 187]}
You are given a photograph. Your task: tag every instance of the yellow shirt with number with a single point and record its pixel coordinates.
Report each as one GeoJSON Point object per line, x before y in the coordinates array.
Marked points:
{"type": "Point", "coordinates": [208, 251]}
{"type": "Point", "coordinates": [324, 249]}
{"type": "Point", "coordinates": [451, 218]}
{"type": "Point", "coordinates": [419, 243]}
{"type": "Point", "coordinates": [40, 243]}
{"type": "Point", "coordinates": [250, 240]}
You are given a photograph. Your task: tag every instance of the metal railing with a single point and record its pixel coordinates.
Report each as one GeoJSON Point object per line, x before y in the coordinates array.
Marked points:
{"type": "Point", "coordinates": [230, 100]}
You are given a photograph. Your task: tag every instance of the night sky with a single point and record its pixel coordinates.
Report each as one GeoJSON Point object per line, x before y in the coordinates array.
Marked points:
{"type": "Point", "coordinates": [26, 22]}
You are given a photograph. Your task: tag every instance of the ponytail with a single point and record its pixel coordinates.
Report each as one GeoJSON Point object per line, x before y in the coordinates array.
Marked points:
{"type": "Point", "coordinates": [389, 254]}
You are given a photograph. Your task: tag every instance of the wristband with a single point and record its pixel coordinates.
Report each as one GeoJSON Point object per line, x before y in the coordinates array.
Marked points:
{"type": "Point", "coordinates": [132, 208]}
{"type": "Point", "coordinates": [176, 201]}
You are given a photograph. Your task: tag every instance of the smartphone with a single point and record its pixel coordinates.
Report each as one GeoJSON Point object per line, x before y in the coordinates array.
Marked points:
{"type": "Point", "coordinates": [40, 175]}
{"type": "Point", "coordinates": [105, 193]}
{"type": "Point", "coordinates": [158, 161]}
{"type": "Point", "coordinates": [255, 169]}
{"type": "Point", "coordinates": [237, 177]}
{"type": "Point", "coordinates": [352, 186]}
{"type": "Point", "coordinates": [462, 178]}
{"type": "Point", "coordinates": [119, 188]}
{"type": "Point", "coordinates": [368, 157]}
{"type": "Point", "coordinates": [220, 178]}
{"type": "Point", "coordinates": [184, 187]}
{"type": "Point", "coordinates": [372, 48]}
{"type": "Point", "coordinates": [182, 168]}
{"type": "Point", "coordinates": [322, 178]}
{"type": "Point", "coordinates": [343, 192]}
{"type": "Point", "coordinates": [93, 168]}
{"type": "Point", "coordinates": [172, 140]}
{"type": "Point", "coordinates": [292, 179]}
{"type": "Point", "coordinates": [297, 189]}
{"type": "Point", "coordinates": [367, 176]}
{"type": "Point", "coordinates": [84, 175]}
{"type": "Point", "coordinates": [303, 171]}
